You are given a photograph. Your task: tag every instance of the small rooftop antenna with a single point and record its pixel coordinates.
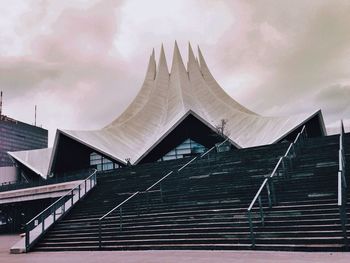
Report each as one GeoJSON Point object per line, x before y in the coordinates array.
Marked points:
{"type": "Point", "coordinates": [0, 103]}
{"type": "Point", "coordinates": [35, 117]}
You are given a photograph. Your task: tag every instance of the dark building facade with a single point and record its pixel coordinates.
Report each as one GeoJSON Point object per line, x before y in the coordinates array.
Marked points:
{"type": "Point", "coordinates": [19, 136]}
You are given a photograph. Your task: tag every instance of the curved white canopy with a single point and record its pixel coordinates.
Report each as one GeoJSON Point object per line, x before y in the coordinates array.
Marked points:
{"type": "Point", "coordinates": [165, 99]}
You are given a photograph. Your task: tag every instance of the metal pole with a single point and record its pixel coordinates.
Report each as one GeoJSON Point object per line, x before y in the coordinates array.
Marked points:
{"type": "Point", "coordinates": [252, 237]}
{"type": "Point", "coordinates": [161, 192]}
{"type": "Point", "coordinates": [261, 212]}
{"type": "Point", "coordinates": [42, 224]}
{"type": "Point", "coordinates": [72, 197]}
{"type": "Point", "coordinates": [54, 213]}
{"type": "Point", "coordinates": [268, 194]}
{"type": "Point", "coordinates": [343, 215]}
{"type": "Point", "coordinates": [27, 238]}
{"type": "Point", "coordinates": [99, 234]}
{"type": "Point", "coordinates": [283, 166]}
{"type": "Point", "coordinates": [274, 201]}
{"type": "Point", "coordinates": [147, 197]}
{"type": "Point", "coordinates": [121, 218]}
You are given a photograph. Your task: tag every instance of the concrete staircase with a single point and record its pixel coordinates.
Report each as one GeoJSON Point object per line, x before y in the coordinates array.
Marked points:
{"type": "Point", "coordinates": [205, 205]}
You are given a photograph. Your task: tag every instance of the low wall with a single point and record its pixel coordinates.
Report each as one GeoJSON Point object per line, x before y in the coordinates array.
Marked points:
{"type": "Point", "coordinates": [8, 174]}
{"type": "Point", "coordinates": [39, 192]}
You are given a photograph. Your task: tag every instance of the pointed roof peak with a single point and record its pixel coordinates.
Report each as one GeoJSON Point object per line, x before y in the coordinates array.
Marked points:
{"type": "Point", "coordinates": [151, 69]}
{"type": "Point", "coordinates": [176, 50]}
{"type": "Point", "coordinates": [192, 60]}
{"type": "Point", "coordinates": [202, 62]}
{"type": "Point", "coordinates": [162, 64]}
{"type": "Point", "coordinates": [190, 53]}
{"type": "Point", "coordinates": [177, 59]}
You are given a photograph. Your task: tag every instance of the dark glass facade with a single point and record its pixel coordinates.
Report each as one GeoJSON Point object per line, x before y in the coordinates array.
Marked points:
{"type": "Point", "coordinates": [187, 148]}
{"type": "Point", "coordinates": [101, 163]}
{"type": "Point", "coordinates": [19, 136]}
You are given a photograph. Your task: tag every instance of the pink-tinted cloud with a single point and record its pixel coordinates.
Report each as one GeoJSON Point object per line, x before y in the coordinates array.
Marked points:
{"type": "Point", "coordinates": [83, 61]}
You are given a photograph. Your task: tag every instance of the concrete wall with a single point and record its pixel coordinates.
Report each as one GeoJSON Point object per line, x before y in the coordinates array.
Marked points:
{"type": "Point", "coordinates": [8, 174]}
{"type": "Point", "coordinates": [38, 192]}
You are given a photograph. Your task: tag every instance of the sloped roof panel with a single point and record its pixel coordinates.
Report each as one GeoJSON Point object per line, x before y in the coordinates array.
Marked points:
{"type": "Point", "coordinates": [166, 98]}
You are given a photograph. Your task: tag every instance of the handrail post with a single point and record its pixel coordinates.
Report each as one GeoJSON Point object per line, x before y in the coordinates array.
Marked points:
{"type": "Point", "coordinates": [42, 223]}
{"type": "Point", "coordinates": [343, 220]}
{"type": "Point", "coordinates": [147, 197]}
{"type": "Point", "coordinates": [121, 219]}
{"type": "Point", "coordinates": [261, 211]}
{"type": "Point", "coordinates": [161, 192]}
{"type": "Point", "coordinates": [54, 213]}
{"type": "Point", "coordinates": [27, 237]}
{"type": "Point", "coordinates": [99, 234]}
{"type": "Point", "coordinates": [72, 198]}
{"type": "Point", "coordinates": [273, 193]}
{"type": "Point", "coordinates": [342, 185]}
{"type": "Point", "coordinates": [251, 228]}
{"type": "Point", "coordinates": [268, 194]}
{"type": "Point", "coordinates": [283, 166]}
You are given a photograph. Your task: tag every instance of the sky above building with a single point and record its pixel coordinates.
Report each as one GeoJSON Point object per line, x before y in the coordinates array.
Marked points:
{"type": "Point", "coordinates": [82, 62]}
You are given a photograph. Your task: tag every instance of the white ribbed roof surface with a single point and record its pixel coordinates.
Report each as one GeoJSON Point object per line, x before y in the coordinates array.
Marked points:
{"type": "Point", "coordinates": [36, 160]}
{"type": "Point", "coordinates": [165, 99]}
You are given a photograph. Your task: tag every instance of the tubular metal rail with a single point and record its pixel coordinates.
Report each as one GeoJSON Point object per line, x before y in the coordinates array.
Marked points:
{"type": "Point", "coordinates": [279, 170]}
{"type": "Point", "coordinates": [40, 224]}
{"type": "Point", "coordinates": [342, 185]}
{"type": "Point", "coordinates": [150, 189]}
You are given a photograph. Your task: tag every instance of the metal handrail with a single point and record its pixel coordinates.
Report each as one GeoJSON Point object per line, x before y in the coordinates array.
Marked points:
{"type": "Point", "coordinates": [342, 185]}
{"type": "Point", "coordinates": [52, 210]}
{"type": "Point", "coordinates": [148, 189]}
{"type": "Point", "coordinates": [268, 183]}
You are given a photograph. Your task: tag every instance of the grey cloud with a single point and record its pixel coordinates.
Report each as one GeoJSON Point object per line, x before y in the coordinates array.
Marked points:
{"type": "Point", "coordinates": [313, 60]}
{"type": "Point", "coordinates": [335, 101]}
{"type": "Point", "coordinates": [294, 52]}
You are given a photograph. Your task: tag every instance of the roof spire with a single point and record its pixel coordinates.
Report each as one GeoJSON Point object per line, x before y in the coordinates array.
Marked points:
{"type": "Point", "coordinates": [152, 54]}
{"type": "Point", "coordinates": [202, 62]}
{"type": "Point", "coordinates": [162, 64]}
{"type": "Point", "coordinates": [177, 59]}
{"type": "Point", "coordinates": [151, 69]}
{"type": "Point", "coordinates": [192, 60]}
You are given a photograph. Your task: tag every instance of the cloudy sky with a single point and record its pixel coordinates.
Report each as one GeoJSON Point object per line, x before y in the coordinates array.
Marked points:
{"type": "Point", "coordinates": [83, 61]}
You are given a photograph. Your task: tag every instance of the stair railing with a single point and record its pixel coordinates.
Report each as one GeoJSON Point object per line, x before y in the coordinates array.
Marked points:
{"type": "Point", "coordinates": [279, 170]}
{"type": "Point", "coordinates": [342, 185]}
{"type": "Point", "coordinates": [40, 224]}
{"type": "Point", "coordinates": [148, 190]}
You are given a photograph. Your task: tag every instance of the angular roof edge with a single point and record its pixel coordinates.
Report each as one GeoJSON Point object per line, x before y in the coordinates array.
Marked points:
{"type": "Point", "coordinates": [35, 160]}
{"type": "Point", "coordinates": [317, 112]}
{"type": "Point", "coordinates": [94, 147]}
{"type": "Point", "coordinates": [189, 112]}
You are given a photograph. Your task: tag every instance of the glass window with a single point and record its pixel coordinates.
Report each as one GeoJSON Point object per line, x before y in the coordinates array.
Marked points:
{"type": "Point", "coordinates": [101, 163]}
{"type": "Point", "coordinates": [186, 148]}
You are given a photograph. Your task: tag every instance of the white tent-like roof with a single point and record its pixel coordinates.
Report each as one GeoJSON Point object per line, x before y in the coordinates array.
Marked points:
{"type": "Point", "coordinates": [166, 98]}
{"type": "Point", "coordinates": [35, 160]}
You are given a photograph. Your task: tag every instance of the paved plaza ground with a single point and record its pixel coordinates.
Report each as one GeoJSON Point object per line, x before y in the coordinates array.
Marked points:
{"type": "Point", "coordinates": [165, 256]}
